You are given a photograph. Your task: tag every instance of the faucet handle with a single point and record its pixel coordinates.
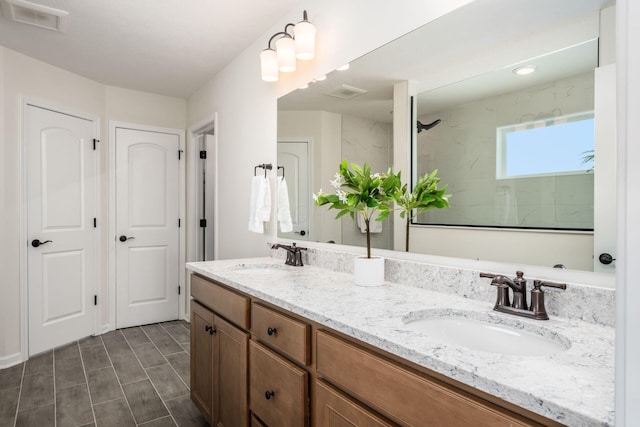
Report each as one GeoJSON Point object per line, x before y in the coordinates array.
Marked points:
{"type": "Point", "coordinates": [498, 279]}
{"type": "Point", "coordinates": [297, 248]}
{"type": "Point", "coordinates": [502, 296]}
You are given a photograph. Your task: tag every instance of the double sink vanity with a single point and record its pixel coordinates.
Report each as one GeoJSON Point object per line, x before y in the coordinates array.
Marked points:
{"type": "Point", "coordinates": [278, 345]}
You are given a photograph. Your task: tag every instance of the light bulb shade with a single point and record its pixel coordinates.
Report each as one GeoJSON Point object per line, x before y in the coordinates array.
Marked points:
{"type": "Point", "coordinates": [305, 35]}
{"type": "Point", "coordinates": [286, 49]}
{"type": "Point", "coordinates": [269, 65]}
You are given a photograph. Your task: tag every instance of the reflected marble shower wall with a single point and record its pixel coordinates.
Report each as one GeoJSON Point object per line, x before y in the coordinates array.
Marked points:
{"type": "Point", "coordinates": [463, 149]}
{"type": "Point", "coordinates": [365, 140]}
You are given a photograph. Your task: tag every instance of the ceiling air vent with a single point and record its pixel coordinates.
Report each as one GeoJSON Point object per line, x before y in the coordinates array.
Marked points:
{"type": "Point", "coordinates": [36, 14]}
{"type": "Point", "coordinates": [346, 92]}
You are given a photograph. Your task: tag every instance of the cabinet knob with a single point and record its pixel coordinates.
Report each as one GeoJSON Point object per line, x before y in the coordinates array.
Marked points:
{"type": "Point", "coordinates": [271, 330]}
{"type": "Point", "coordinates": [269, 394]}
{"type": "Point", "coordinates": [210, 329]}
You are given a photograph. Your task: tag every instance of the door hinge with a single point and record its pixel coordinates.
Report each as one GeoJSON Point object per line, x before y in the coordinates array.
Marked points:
{"type": "Point", "coordinates": [179, 222]}
{"type": "Point", "coordinates": [95, 223]}
{"type": "Point", "coordinates": [203, 154]}
{"type": "Point", "coordinates": [95, 142]}
{"type": "Point", "coordinates": [203, 223]}
{"type": "Point", "coordinates": [180, 154]}
{"type": "Point", "coordinates": [179, 288]}
{"type": "Point", "coordinates": [95, 300]}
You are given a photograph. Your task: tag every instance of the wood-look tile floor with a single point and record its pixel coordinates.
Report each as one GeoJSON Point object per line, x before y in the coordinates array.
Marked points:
{"type": "Point", "coordinates": [129, 377]}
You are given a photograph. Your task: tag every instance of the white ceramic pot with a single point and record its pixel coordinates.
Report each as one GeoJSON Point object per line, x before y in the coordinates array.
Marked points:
{"type": "Point", "coordinates": [369, 271]}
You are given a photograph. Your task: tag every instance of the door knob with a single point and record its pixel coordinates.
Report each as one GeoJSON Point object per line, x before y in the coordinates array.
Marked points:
{"type": "Point", "coordinates": [35, 243]}
{"type": "Point", "coordinates": [124, 238]}
{"type": "Point", "coordinates": [606, 258]}
{"type": "Point", "coordinates": [271, 330]}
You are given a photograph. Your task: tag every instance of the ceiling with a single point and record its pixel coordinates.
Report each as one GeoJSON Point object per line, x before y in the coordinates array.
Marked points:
{"type": "Point", "coordinates": [169, 47]}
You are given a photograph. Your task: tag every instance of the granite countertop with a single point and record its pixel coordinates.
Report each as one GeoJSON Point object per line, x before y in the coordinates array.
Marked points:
{"type": "Point", "coordinates": [574, 387]}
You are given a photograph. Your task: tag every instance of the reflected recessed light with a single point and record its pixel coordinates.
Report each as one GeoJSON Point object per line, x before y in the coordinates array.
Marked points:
{"type": "Point", "coordinates": [343, 68]}
{"type": "Point", "coordinates": [524, 70]}
{"type": "Point", "coordinates": [321, 78]}
{"type": "Point", "coordinates": [304, 86]}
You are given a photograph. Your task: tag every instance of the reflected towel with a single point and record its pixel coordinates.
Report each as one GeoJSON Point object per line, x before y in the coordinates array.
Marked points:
{"type": "Point", "coordinates": [259, 204]}
{"type": "Point", "coordinates": [374, 226]}
{"type": "Point", "coordinates": [284, 212]}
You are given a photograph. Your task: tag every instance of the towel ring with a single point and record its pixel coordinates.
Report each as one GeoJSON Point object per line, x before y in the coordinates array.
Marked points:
{"type": "Point", "coordinates": [281, 167]}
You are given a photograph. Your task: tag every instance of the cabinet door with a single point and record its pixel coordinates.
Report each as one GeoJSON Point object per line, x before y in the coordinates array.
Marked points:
{"type": "Point", "coordinates": [230, 371]}
{"type": "Point", "coordinates": [334, 409]}
{"type": "Point", "coordinates": [278, 391]}
{"type": "Point", "coordinates": [202, 372]}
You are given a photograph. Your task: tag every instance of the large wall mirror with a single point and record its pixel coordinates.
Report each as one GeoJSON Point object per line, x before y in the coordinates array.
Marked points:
{"type": "Point", "coordinates": [515, 146]}
{"type": "Point", "coordinates": [459, 70]}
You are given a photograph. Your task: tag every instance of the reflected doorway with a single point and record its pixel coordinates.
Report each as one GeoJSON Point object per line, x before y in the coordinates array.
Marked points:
{"type": "Point", "coordinates": [293, 156]}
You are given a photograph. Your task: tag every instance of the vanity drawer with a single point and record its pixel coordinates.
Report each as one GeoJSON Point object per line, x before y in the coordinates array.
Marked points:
{"type": "Point", "coordinates": [282, 333]}
{"type": "Point", "coordinates": [333, 408]}
{"type": "Point", "coordinates": [399, 393]}
{"type": "Point", "coordinates": [225, 302]}
{"type": "Point", "coordinates": [278, 389]}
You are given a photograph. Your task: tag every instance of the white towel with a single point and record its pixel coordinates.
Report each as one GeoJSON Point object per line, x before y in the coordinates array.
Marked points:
{"type": "Point", "coordinates": [284, 212]}
{"type": "Point", "coordinates": [259, 204]}
{"type": "Point", "coordinates": [374, 226]}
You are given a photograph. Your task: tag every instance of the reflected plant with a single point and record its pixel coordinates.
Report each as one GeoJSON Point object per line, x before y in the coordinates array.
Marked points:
{"type": "Point", "coordinates": [425, 196]}
{"type": "Point", "coordinates": [588, 157]}
{"type": "Point", "coordinates": [358, 191]}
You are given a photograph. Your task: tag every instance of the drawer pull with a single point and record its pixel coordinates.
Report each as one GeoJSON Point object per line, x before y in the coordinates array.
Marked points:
{"type": "Point", "coordinates": [210, 329]}
{"type": "Point", "coordinates": [271, 330]}
{"type": "Point", "coordinates": [269, 394]}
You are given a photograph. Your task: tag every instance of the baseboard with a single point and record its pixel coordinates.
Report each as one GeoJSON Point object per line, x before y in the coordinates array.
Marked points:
{"type": "Point", "coordinates": [9, 361]}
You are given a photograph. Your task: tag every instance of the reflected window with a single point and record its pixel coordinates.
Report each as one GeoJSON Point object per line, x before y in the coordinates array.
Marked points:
{"type": "Point", "coordinates": [556, 146]}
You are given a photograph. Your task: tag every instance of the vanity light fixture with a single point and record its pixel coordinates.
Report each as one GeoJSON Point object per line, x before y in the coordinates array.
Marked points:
{"type": "Point", "coordinates": [288, 48]}
{"type": "Point", "coordinates": [524, 70]}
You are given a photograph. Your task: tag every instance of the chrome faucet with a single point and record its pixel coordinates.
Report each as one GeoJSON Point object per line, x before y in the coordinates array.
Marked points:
{"type": "Point", "coordinates": [518, 285]}
{"type": "Point", "coordinates": [294, 254]}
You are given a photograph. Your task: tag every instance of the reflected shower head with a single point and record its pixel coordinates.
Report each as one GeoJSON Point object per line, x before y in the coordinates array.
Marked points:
{"type": "Point", "coordinates": [422, 127]}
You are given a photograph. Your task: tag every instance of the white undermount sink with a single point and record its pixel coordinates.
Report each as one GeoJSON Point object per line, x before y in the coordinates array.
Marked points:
{"type": "Point", "coordinates": [260, 270]}
{"type": "Point", "coordinates": [487, 332]}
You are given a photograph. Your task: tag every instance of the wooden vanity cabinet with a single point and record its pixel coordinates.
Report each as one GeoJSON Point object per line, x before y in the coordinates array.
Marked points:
{"type": "Point", "coordinates": [256, 364]}
{"type": "Point", "coordinates": [219, 356]}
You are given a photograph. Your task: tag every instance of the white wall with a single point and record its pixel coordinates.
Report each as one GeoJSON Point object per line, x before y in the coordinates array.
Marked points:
{"type": "Point", "coordinates": [247, 106]}
{"type": "Point", "coordinates": [25, 76]}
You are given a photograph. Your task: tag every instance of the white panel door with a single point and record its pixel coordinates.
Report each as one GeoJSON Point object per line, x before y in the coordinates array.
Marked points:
{"type": "Point", "coordinates": [61, 193]}
{"type": "Point", "coordinates": [294, 157]}
{"type": "Point", "coordinates": [147, 212]}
